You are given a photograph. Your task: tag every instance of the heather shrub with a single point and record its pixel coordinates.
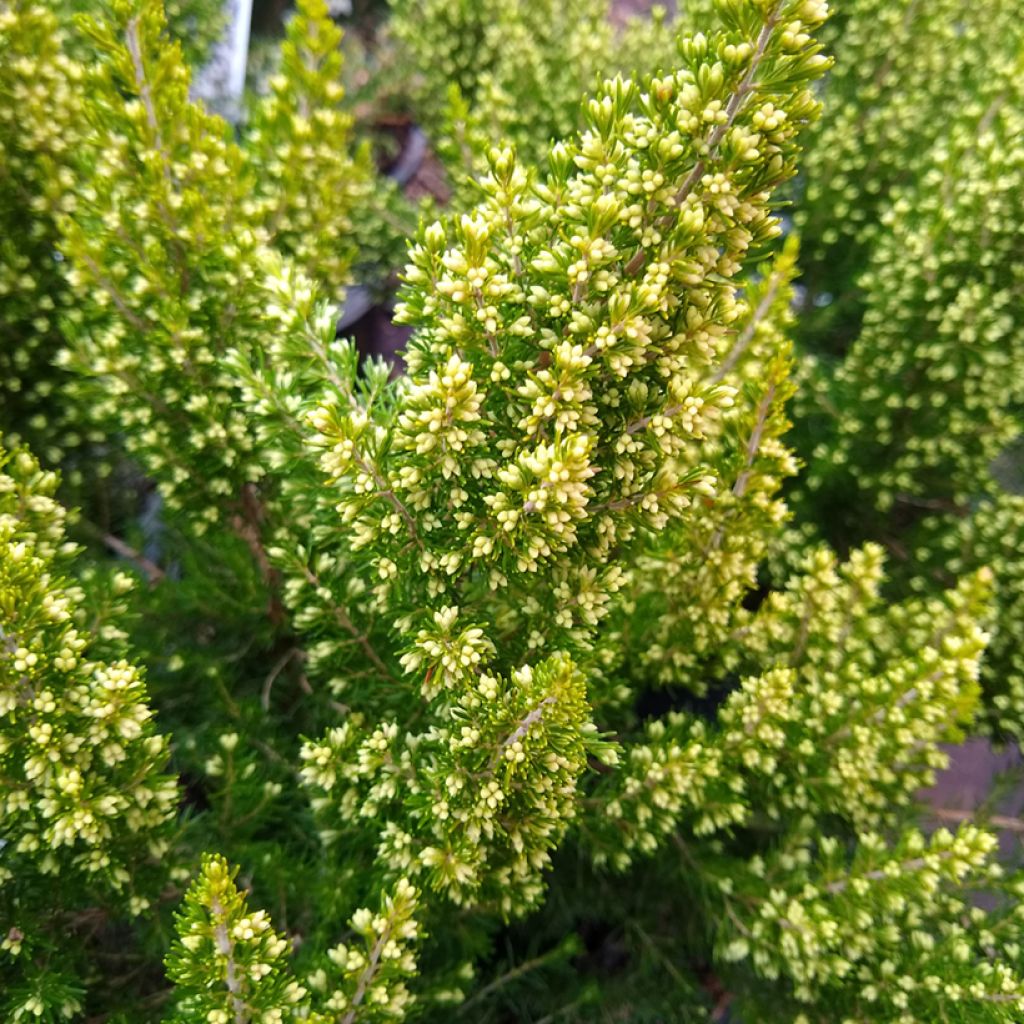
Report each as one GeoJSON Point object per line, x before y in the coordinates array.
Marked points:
{"type": "Point", "coordinates": [591, 665]}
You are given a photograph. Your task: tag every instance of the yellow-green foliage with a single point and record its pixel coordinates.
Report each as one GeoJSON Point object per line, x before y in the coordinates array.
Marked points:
{"type": "Point", "coordinates": [889, 104]}
{"type": "Point", "coordinates": [195, 24]}
{"type": "Point", "coordinates": [516, 71]}
{"type": "Point", "coordinates": [548, 54]}
{"type": "Point", "coordinates": [891, 936]}
{"type": "Point", "coordinates": [229, 964]}
{"type": "Point", "coordinates": [842, 706]}
{"type": "Point", "coordinates": [40, 129]}
{"type": "Point", "coordinates": [142, 205]}
{"type": "Point", "coordinates": [85, 806]}
{"type": "Point", "coordinates": [494, 637]}
{"type": "Point", "coordinates": [990, 535]}
{"type": "Point", "coordinates": [931, 390]}
{"type": "Point", "coordinates": [297, 145]}
{"type": "Point", "coordinates": [913, 266]}
{"type": "Point", "coordinates": [164, 268]}
{"type": "Point", "coordinates": [198, 24]}
{"type": "Point", "coordinates": [617, 265]}
{"type": "Point", "coordinates": [687, 587]}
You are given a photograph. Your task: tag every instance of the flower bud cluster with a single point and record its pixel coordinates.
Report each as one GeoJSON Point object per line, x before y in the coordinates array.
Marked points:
{"type": "Point", "coordinates": [930, 391]}
{"type": "Point", "coordinates": [992, 536]}
{"type": "Point", "coordinates": [364, 980]}
{"type": "Point", "coordinates": [41, 124]}
{"type": "Point", "coordinates": [484, 796]}
{"type": "Point", "coordinates": [553, 522]}
{"type": "Point", "coordinates": [887, 106]}
{"type": "Point", "coordinates": [228, 963]}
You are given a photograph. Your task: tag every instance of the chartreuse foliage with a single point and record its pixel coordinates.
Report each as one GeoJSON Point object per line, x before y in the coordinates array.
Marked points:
{"type": "Point", "coordinates": [167, 242]}
{"type": "Point", "coordinates": [158, 324]}
{"type": "Point", "coordinates": [305, 182]}
{"type": "Point", "coordinates": [86, 807]}
{"type": "Point", "coordinates": [992, 535]}
{"type": "Point", "coordinates": [229, 964]}
{"type": "Point", "coordinates": [152, 215]}
{"type": "Point", "coordinates": [452, 648]}
{"type": "Point", "coordinates": [196, 24]}
{"type": "Point", "coordinates": [932, 388]}
{"type": "Point", "coordinates": [887, 108]}
{"type": "Point", "coordinates": [712, 563]}
{"type": "Point", "coordinates": [913, 268]}
{"type": "Point", "coordinates": [41, 122]}
{"type": "Point", "coordinates": [890, 936]}
{"type": "Point", "coordinates": [516, 72]}
{"type": "Point", "coordinates": [840, 711]}
{"type": "Point", "coordinates": [555, 391]}
{"type": "Point", "coordinates": [546, 56]}
{"type": "Point", "coordinates": [159, 292]}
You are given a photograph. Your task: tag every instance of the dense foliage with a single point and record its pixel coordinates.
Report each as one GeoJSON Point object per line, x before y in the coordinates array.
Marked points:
{"type": "Point", "coordinates": [558, 676]}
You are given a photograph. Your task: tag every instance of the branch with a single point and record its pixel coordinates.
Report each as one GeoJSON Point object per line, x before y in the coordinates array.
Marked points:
{"type": "Point", "coordinates": [997, 821]}
{"type": "Point", "coordinates": [516, 972]}
{"type": "Point", "coordinates": [343, 620]}
{"type": "Point", "coordinates": [733, 107]}
{"type": "Point", "coordinates": [152, 571]}
{"type": "Point", "coordinates": [732, 110]}
{"type": "Point", "coordinates": [747, 334]}
{"type": "Point", "coordinates": [367, 976]}
{"type": "Point", "coordinates": [278, 668]}
{"type": "Point", "coordinates": [111, 289]}
{"type": "Point", "coordinates": [754, 444]}
{"type": "Point", "coordinates": [385, 491]}
{"type": "Point", "coordinates": [531, 718]}
{"type": "Point", "coordinates": [226, 948]}
{"type": "Point", "coordinates": [247, 526]}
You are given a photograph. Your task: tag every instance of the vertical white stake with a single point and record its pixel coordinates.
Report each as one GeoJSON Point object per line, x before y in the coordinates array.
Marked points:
{"type": "Point", "coordinates": [220, 83]}
{"type": "Point", "coordinates": [239, 48]}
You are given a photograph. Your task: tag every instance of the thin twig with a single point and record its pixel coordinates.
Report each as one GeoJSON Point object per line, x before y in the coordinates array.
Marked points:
{"type": "Point", "coordinates": [153, 571]}
{"type": "Point", "coordinates": [739, 488]}
{"type": "Point", "coordinates": [747, 334]}
{"type": "Point", "coordinates": [516, 972]}
{"type": "Point", "coordinates": [733, 107]}
{"type": "Point", "coordinates": [732, 110]}
{"type": "Point", "coordinates": [996, 821]}
{"type": "Point", "coordinates": [343, 620]}
{"type": "Point", "coordinates": [278, 668]}
{"type": "Point", "coordinates": [367, 975]}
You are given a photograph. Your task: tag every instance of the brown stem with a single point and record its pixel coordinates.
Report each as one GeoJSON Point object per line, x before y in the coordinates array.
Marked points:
{"type": "Point", "coordinates": [248, 525]}
{"type": "Point", "coordinates": [152, 571]}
